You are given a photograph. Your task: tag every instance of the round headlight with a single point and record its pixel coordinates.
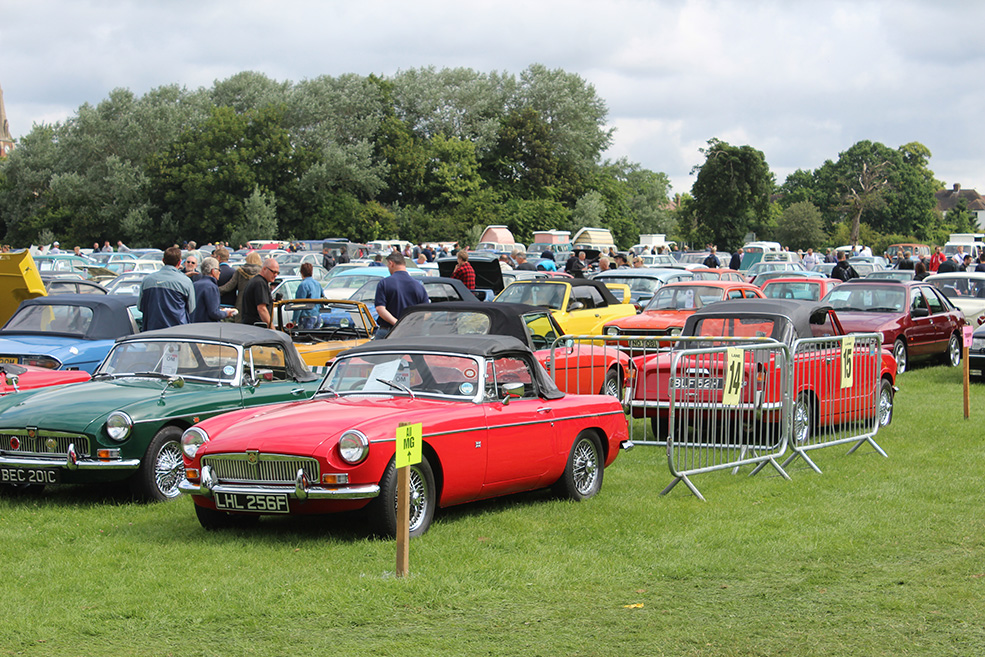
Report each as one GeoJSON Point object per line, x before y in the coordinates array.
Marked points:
{"type": "Point", "coordinates": [192, 439]}
{"type": "Point", "coordinates": [353, 446]}
{"type": "Point", "coordinates": [676, 330]}
{"type": "Point", "coordinates": [118, 425]}
{"type": "Point", "coordinates": [612, 330]}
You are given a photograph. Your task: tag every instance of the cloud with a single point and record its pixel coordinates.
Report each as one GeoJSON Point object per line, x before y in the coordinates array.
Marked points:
{"type": "Point", "coordinates": [800, 81]}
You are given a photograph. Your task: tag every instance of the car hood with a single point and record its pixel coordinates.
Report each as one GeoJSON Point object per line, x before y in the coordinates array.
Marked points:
{"type": "Point", "coordinates": [303, 427]}
{"type": "Point", "coordinates": [651, 319]}
{"type": "Point", "coordinates": [863, 322]}
{"type": "Point", "coordinates": [77, 406]}
{"type": "Point", "coordinates": [21, 343]}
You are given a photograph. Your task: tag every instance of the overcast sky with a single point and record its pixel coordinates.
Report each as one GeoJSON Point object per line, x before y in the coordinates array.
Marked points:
{"type": "Point", "coordinates": [799, 80]}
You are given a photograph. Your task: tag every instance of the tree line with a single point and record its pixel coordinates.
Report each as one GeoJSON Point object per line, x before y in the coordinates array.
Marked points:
{"type": "Point", "coordinates": [425, 154]}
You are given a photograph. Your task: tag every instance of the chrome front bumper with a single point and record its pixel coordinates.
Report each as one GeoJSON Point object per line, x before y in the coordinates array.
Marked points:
{"type": "Point", "coordinates": [302, 489]}
{"type": "Point", "coordinates": [72, 461]}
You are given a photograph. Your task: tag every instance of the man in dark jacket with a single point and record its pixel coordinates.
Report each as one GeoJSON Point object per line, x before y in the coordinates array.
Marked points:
{"type": "Point", "coordinates": [207, 295]}
{"type": "Point", "coordinates": [842, 270]}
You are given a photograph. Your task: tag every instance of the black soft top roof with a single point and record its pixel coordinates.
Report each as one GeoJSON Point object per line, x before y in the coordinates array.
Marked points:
{"type": "Point", "coordinates": [484, 346]}
{"type": "Point", "coordinates": [504, 318]}
{"type": "Point", "coordinates": [110, 317]}
{"type": "Point", "coordinates": [237, 334]}
{"type": "Point", "coordinates": [798, 313]}
{"type": "Point", "coordinates": [488, 273]}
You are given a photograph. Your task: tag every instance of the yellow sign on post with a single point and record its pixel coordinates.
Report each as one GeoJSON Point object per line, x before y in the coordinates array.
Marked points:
{"type": "Point", "coordinates": [410, 438]}
{"type": "Point", "coordinates": [409, 441]}
{"type": "Point", "coordinates": [733, 376]}
{"type": "Point", "coordinates": [848, 361]}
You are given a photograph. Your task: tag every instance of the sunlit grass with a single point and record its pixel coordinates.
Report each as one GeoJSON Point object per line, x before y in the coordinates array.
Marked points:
{"type": "Point", "coordinates": [876, 556]}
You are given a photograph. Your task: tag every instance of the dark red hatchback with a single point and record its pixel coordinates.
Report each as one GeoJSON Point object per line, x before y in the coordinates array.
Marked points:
{"type": "Point", "coordinates": [915, 319]}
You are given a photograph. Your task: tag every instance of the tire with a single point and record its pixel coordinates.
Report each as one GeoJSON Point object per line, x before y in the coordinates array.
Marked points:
{"type": "Point", "coordinates": [952, 356]}
{"type": "Point", "coordinates": [582, 476]}
{"type": "Point", "coordinates": [162, 468]}
{"type": "Point", "coordinates": [423, 499]}
{"type": "Point", "coordinates": [899, 352]}
{"type": "Point", "coordinates": [212, 520]}
{"type": "Point", "coordinates": [803, 419]}
{"type": "Point", "coordinates": [885, 404]}
{"type": "Point", "coordinates": [612, 385]}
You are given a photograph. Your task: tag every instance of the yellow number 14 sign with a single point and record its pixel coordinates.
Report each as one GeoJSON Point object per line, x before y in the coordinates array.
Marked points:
{"type": "Point", "coordinates": [409, 441]}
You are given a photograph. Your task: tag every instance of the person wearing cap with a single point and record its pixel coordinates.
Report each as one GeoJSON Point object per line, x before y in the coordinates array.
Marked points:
{"type": "Point", "coordinates": [54, 248]}
{"type": "Point", "coordinates": [622, 262]}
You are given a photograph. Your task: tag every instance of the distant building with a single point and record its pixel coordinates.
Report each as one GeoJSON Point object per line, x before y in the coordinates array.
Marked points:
{"type": "Point", "coordinates": [6, 140]}
{"type": "Point", "coordinates": [947, 199]}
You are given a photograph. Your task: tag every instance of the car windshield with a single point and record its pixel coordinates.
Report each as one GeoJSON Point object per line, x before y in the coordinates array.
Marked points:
{"type": "Point", "coordinates": [635, 283]}
{"type": "Point", "coordinates": [790, 290]}
{"type": "Point", "coordinates": [865, 298]}
{"type": "Point", "coordinates": [416, 374]}
{"type": "Point", "coordinates": [74, 320]}
{"type": "Point", "coordinates": [548, 295]}
{"type": "Point", "coordinates": [745, 327]}
{"type": "Point", "coordinates": [350, 282]}
{"type": "Point", "coordinates": [685, 297]}
{"type": "Point", "coordinates": [165, 358]}
{"type": "Point", "coordinates": [955, 287]}
{"type": "Point", "coordinates": [441, 322]}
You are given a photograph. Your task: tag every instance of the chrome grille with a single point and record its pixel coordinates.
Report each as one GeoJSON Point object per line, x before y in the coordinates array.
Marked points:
{"type": "Point", "coordinates": [268, 468]}
{"type": "Point", "coordinates": [43, 443]}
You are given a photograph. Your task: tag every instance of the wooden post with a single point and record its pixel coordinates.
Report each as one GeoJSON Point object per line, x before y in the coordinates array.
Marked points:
{"type": "Point", "coordinates": [967, 382]}
{"type": "Point", "coordinates": [403, 521]}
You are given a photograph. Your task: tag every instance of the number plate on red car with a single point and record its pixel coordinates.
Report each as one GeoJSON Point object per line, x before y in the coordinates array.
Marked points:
{"type": "Point", "coordinates": [252, 502]}
{"type": "Point", "coordinates": [699, 384]}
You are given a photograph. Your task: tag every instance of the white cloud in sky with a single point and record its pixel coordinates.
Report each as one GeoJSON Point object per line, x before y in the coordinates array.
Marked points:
{"type": "Point", "coordinates": [800, 81]}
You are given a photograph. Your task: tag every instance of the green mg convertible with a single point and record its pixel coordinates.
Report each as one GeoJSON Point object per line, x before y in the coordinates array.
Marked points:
{"type": "Point", "coordinates": [126, 423]}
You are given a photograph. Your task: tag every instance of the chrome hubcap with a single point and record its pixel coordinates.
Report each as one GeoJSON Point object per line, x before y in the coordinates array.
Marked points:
{"type": "Point", "coordinates": [169, 469]}
{"type": "Point", "coordinates": [585, 468]}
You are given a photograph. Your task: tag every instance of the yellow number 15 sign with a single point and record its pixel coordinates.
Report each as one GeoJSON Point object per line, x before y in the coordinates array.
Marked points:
{"type": "Point", "coordinates": [409, 441]}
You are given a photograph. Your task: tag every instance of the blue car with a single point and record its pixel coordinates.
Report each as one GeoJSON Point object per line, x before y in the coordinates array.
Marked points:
{"type": "Point", "coordinates": [67, 331]}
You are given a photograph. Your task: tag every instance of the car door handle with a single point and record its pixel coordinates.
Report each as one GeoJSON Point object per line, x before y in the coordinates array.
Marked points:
{"type": "Point", "coordinates": [297, 392]}
{"type": "Point", "coordinates": [544, 409]}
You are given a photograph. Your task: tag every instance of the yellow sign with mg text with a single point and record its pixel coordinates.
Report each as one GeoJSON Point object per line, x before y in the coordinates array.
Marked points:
{"type": "Point", "coordinates": [409, 441]}
{"type": "Point", "coordinates": [847, 361]}
{"type": "Point", "coordinates": [733, 376]}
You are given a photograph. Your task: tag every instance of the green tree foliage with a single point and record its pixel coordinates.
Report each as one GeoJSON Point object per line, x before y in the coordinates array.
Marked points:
{"type": "Point", "coordinates": [800, 226]}
{"type": "Point", "coordinates": [423, 154]}
{"type": "Point", "coordinates": [205, 178]}
{"type": "Point", "coordinates": [888, 190]}
{"type": "Point", "coordinates": [731, 195]}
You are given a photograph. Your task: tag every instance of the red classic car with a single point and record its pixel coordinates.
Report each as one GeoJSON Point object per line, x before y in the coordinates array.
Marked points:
{"type": "Point", "coordinates": [581, 368]}
{"type": "Point", "coordinates": [915, 318]}
{"type": "Point", "coordinates": [493, 423]}
{"type": "Point", "coordinates": [819, 399]}
{"type": "Point", "coordinates": [673, 303]}
{"type": "Point", "coordinates": [14, 378]}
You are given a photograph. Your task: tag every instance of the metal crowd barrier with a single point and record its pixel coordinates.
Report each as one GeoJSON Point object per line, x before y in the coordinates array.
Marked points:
{"type": "Point", "coordinates": [673, 390]}
{"type": "Point", "coordinates": [837, 394]}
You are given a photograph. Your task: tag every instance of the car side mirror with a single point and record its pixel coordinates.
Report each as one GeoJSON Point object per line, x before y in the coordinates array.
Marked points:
{"type": "Point", "coordinates": [511, 391]}
{"type": "Point", "coordinates": [575, 305]}
{"type": "Point", "coordinates": [920, 312]}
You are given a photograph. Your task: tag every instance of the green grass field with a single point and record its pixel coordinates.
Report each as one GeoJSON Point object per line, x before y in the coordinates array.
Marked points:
{"type": "Point", "coordinates": [877, 556]}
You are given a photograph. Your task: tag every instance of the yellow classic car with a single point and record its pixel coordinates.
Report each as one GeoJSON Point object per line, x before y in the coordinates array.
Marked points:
{"type": "Point", "coordinates": [581, 306]}
{"type": "Point", "coordinates": [322, 328]}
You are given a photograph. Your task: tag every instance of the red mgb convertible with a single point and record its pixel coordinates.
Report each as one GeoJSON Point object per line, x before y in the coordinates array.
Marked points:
{"type": "Point", "coordinates": [493, 423]}
{"type": "Point", "coordinates": [820, 395]}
